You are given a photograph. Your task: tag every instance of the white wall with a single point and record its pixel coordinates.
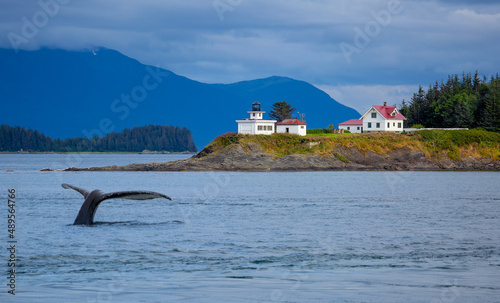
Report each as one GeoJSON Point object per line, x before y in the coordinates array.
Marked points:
{"type": "Point", "coordinates": [245, 128]}
{"type": "Point", "coordinates": [292, 129]}
{"type": "Point", "coordinates": [394, 125]}
{"type": "Point", "coordinates": [368, 120]}
{"type": "Point", "coordinates": [255, 127]}
{"type": "Point", "coordinates": [256, 115]}
{"type": "Point", "coordinates": [264, 128]}
{"type": "Point", "coordinates": [355, 129]}
{"type": "Point", "coordinates": [302, 130]}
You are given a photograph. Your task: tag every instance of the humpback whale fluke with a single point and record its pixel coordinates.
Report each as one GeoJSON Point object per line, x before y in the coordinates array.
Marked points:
{"type": "Point", "coordinates": [95, 197]}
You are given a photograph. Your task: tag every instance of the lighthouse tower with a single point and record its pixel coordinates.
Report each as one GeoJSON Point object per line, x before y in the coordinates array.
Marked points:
{"type": "Point", "coordinates": [256, 125]}
{"type": "Point", "coordinates": [256, 113]}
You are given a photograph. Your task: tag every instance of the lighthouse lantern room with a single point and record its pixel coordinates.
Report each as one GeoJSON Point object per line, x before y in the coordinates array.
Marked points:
{"type": "Point", "coordinates": [256, 113]}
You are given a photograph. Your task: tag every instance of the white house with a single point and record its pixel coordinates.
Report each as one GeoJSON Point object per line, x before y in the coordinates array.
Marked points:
{"type": "Point", "coordinates": [382, 119]}
{"type": "Point", "coordinates": [255, 125]}
{"type": "Point", "coordinates": [292, 126]}
{"type": "Point", "coordinates": [353, 125]}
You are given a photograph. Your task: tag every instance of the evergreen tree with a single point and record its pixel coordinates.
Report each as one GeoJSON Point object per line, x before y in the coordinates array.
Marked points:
{"type": "Point", "coordinates": [281, 111]}
{"type": "Point", "coordinates": [405, 111]}
{"type": "Point", "coordinates": [468, 101]}
{"type": "Point", "coordinates": [418, 107]}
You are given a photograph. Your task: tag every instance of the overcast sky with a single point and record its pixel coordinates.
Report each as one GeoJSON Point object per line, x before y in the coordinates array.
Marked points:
{"type": "Point", "coordinates": [361, 52]}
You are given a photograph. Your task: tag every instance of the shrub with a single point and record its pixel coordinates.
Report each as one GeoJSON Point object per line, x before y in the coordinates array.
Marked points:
{"type": "Point", "coordinates": [317, 131]}
{"type": "Point", "coordinates": [228, 139]}
{"type": "Point", "coordinates": [418, 126]}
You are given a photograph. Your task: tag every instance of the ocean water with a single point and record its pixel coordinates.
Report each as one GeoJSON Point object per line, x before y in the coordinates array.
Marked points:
{"type": "Point", "coordinates": [251, 237]}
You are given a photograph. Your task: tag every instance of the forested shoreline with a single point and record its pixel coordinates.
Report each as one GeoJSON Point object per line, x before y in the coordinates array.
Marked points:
{"type": "Point", "coordinates": [466, 102]}
{"type": "Point", "coordinates": [151, 137]}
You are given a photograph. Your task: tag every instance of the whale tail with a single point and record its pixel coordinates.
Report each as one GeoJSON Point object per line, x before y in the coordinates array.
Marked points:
{"type": "Point", "coordinates": [95, 197]}
{"type": "Point", "coordinates": [82, 191]}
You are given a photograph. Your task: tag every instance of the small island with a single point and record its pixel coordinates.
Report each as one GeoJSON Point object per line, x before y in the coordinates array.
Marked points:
{"type": "Point", "coordinates": [473, 150]}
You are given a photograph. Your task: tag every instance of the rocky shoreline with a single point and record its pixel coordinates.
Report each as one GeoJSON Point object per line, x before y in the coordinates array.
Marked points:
{"type": "Point", "coordinates": [252, 157]}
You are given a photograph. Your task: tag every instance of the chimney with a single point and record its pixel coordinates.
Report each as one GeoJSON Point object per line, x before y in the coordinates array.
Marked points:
{"type": "Point", "coordinates": [385, 103]}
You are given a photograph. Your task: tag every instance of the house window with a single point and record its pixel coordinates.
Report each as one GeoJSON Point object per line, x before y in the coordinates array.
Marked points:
{"type": "Point", "coordinates": [253, 114]}
{"type": "Point", "coordinates": [348, 128]}
{"type": "Point", "coordinates": [389, 125]}
{"type": "Point", "coordinates": [394, 124]}
{"type": "Point", "coordinates": [399, 125]}
{"type": "Point", "coordinates": [270, 127]}
{"type": "Point", "coordinates": [302, 126]}
{"type": "Point", "coordinates": [259, 127]}
{"type": "Point", "coordinates": [374, 115]}
{"type": "Point", "coordinates": [358, 127]}
{"type": "Point", "coordinates": [369, 125]}
{"type": "Point", "coordinates": [378, 125]}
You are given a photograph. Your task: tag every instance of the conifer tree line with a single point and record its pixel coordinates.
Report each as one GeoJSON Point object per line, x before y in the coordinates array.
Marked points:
{"type": "Point", "coordinates": [150, 137]}
{"type": "Point", "coordinates": [466, 102]}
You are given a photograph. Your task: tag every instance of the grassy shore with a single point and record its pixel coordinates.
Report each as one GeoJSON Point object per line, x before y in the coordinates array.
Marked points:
{"type": "Point", "coordinates": [455, 145]}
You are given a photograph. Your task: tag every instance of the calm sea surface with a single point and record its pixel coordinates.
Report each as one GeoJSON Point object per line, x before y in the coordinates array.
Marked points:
{"type": "Point", "coordinates": [251, 237]}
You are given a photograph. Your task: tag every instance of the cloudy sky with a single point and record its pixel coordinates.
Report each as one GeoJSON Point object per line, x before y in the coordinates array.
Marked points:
{"type": "Point", "coordinates": [361, 52]}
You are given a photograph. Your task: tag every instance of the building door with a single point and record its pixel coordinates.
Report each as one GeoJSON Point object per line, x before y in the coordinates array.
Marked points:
{"type": "Point", "coordinates": [287, 130]}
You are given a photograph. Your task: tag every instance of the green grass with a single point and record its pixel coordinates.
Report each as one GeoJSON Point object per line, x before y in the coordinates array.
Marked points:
{"type": "Point", "coordinates": [458, 143]}
{"type": "Point", "coordinates": [329, 135]}
{"type": "Point", "coordinates": [341, 158]}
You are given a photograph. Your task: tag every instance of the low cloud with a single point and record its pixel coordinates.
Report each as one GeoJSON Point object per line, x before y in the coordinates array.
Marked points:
{"type": "Point", "coordinates": [361, 97]}
{"type": "Point", "coordinates": [301, 39]}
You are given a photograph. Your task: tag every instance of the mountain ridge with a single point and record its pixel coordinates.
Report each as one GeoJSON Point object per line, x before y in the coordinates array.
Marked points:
{"type": "Point", "coordinates": [93, 92]}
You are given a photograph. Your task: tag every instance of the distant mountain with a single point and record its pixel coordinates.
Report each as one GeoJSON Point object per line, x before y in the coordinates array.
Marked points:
{"type": "Point", "coordinates": [84, 93]}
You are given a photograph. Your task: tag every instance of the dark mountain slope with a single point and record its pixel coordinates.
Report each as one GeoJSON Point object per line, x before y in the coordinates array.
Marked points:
{"type": "Point", "coordinates": [319, 108]}
{"type": "Point", "coordinates": [73, 93]}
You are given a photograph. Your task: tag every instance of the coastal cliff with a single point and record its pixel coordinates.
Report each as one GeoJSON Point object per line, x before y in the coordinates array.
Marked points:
{"type": "Point", "coordinates": [426, 150]}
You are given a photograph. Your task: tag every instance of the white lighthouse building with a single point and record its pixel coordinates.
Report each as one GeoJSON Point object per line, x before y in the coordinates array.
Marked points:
{"type": "Point", "coordinates": [255, 125]}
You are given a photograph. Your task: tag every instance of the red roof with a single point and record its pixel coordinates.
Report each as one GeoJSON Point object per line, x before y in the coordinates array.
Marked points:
{"type": "Point", "coordinates": [387, 110]}
{"type": "Point", "coordinates": [352, 122]}
{"type": "Point", "coordinates": [291, 122]}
